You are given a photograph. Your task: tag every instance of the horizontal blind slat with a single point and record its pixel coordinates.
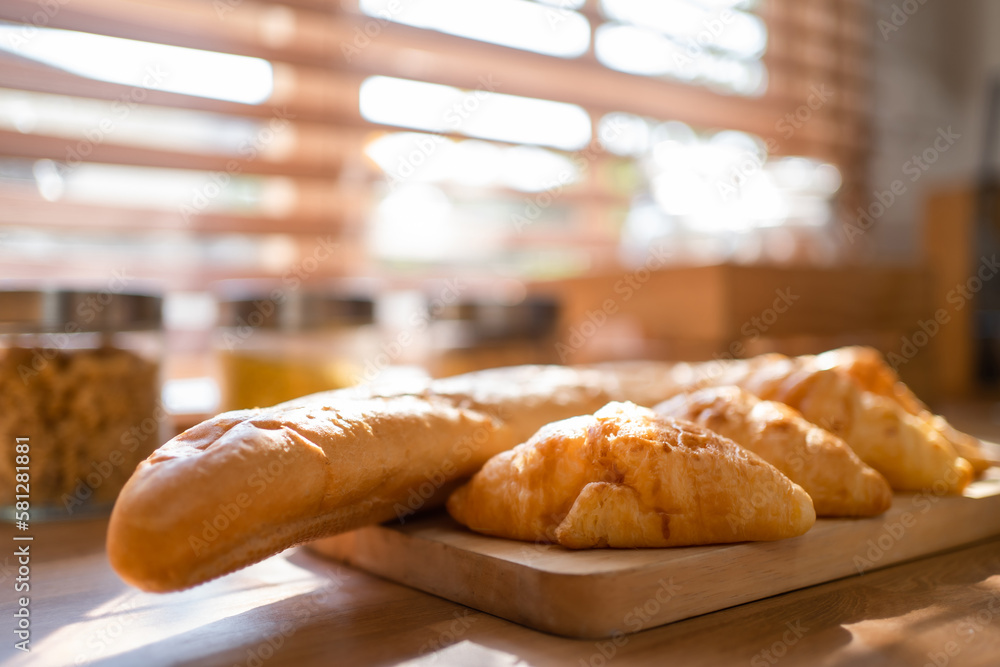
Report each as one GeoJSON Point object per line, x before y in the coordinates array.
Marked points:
{"type": "Point", "coordinates": [414, 53]}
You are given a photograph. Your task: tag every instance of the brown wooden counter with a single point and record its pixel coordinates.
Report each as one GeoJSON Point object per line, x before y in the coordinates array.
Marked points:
{"type": "Point", "coordinates": [321, 613]}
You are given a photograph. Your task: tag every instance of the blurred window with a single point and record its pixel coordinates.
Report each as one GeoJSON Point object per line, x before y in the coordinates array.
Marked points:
{"type": "Point", "coordinates": [532, 137]}
{"type": "Point", "coordinates": [554, 28]}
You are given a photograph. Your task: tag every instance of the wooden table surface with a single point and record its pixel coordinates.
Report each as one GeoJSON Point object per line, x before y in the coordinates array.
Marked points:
{"type": "Point", "coordinates": [300, 609]}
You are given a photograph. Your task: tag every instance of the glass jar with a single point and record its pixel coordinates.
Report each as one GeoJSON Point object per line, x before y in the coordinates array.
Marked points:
{"type": "Point", "coordinates": [275, 344]}
{"type": "Point", "coordinates": [79, 397]}
{"type": "Point", "coordinates": [478, 333]}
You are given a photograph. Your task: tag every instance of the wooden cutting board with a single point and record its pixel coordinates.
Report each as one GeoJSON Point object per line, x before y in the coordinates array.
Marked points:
{"type": "Point", "coordinates": [603, 592]}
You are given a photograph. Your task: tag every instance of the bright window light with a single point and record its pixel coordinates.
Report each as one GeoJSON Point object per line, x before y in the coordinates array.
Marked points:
{"type": "Point", "coordinates": [420, 223]}
{"type": "Point", "coordinates": [478, 113]}
{"type": "Point", "coordinates": [624, 134]}
{"type": "Point", "coordinates": [731, 4]}
{"type": "Point", "coordinates": [175, 69]}
{"type": "Point", "coordinates": [164, 250]}
{"type": "Point", "coordinates": [744, 37]}
{"type": "Point", "coordinates": [413, 157]}
{"type": "Point", "coordinates": [694, 25]}
{"type": "Point", "coordinates": [165, 189]}
{"type": "Point", "coordinates": [710, 42]}
{"type": "Point", "coordinates": [564, 4]}
{"type": "Point", "coordinates": [637, 50]}
{"type": "Point", "coordinates": [532, 169]}
{"type": "Point", "coordinates": [720, 183]}
{"type": "Point", "coordinates": [671, 17]}
{"type": "Point", "coordinates": [551, 30]}
{"type": "Point", "coordinates": [394, 234]}
{"type": "Point", "coordinates": [672, 132]}
{"type": "Point", "coordinates": [160, 128]}
{"type": "Point", "coordinates": [476, 163]}
{"type": "Point", "coordinates": [640, 51]}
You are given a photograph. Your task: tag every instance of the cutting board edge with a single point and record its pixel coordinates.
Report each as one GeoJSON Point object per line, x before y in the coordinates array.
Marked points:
{"type": "Point", "coordinates": [563, 603]}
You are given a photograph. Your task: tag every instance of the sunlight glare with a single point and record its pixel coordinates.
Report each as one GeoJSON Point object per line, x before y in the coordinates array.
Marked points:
{"type": "Point", "coordinates": [478, 113]}
{"type": "Point", "coordinates": [529, 26]}
{"type": "Point", "coordinates": [175, 69]}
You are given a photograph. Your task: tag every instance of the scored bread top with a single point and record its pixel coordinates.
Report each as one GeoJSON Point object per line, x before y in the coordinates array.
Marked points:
{"type": "Point", "coordinates": [247, 484]}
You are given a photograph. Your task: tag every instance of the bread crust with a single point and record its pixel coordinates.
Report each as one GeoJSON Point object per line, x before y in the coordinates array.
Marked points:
{"type": "Point", "coordinates": [247, 484]}
{"type": "Point", "coordinates": [907, 449]}
{"type": "Point", "coordinates": [626, 477]}
{"type": "Point", "coordinates": [838, 482]}
{"type": "Point", "coordinates": [867, 368]}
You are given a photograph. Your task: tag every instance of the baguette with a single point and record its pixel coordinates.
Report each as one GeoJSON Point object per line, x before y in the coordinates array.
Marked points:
{"type": "Point", "coordinates": [248, 484]}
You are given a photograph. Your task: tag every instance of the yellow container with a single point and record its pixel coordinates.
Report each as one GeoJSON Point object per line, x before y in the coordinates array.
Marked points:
{"type": "Point", "coordinates": [274, 344]}
{"type": "Point", "coordinates": [478, 333]}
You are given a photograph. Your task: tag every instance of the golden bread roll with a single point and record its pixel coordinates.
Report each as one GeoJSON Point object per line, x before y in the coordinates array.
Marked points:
{"type": "Point", "coordinates": [626, 477]}
{"type": "Point", "coordinates": [909, 451]}
{"type": "Point", "coordinates": [872, 373]}
{"type": "Point", "coordinates": [644, 383]}
{"type": "Point", "coordinates": [248, 484]}
{"type": "Point", "coordinates": [838, 482]}
{"type": "Point", "coordinates": [906, 450]}
{"type": "Point", "coordinates": [869, 369]}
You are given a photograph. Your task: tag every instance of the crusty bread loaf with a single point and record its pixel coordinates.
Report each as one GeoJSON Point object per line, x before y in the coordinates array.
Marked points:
{"type": "Point", "coordinates": [247, 484]}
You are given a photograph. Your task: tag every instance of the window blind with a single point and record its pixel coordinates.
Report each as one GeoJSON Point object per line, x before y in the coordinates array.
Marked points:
{"type": "Point", "coordinates": [307, 139]}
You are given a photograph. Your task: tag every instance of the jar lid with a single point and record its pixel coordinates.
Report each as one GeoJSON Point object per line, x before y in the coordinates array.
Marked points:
{"type": "Point", "coordinates": [73, 311]}
{"type": "Point", "coordinates": [269, 306]}
{"type": "Point", "coordinates": [534, 317]}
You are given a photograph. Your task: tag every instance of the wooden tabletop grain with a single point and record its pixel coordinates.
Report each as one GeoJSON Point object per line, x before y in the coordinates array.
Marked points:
{"type": "Point", "coordinates": [300, 609]}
